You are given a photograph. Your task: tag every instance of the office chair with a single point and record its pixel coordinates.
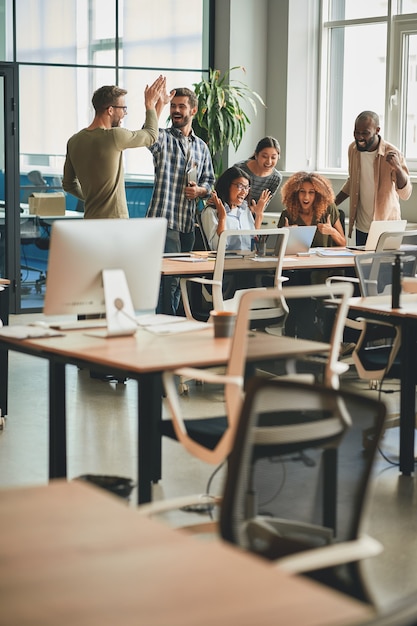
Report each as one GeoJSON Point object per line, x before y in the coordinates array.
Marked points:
{"type": "Point", "coordinates": [376, 352]}
{"type": "Point", "coordinates": [305, 523]}
{"type": "Point", "coordinates": [37, 183]}
{"type": "Point", "coordinates": [373, 359]}
{"type": "Point", "coordinates": [210, 439]}
{"type": "Point", "coordinates": [30, 233]}
{"type": "Point", "coordinates": [220, 296]}
{"type": "Point", "coordinates": [219, 291]}
{"type": "Point", "coordinates": [297, 484]}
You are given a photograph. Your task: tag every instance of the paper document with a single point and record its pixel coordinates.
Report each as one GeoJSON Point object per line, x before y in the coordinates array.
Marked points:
{"type": "Point", "coordinates": [20, 331]}
{"type": "Point", "coordinates": [175, 327]}
{"type": "Point", "coordinates": [334, 252]}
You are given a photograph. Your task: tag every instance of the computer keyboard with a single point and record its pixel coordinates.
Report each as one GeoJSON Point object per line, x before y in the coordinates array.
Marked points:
{"type": "Point", "coordinates": [80, 324]}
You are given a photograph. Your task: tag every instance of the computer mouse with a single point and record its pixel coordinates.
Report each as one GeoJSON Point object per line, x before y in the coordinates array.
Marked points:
{"type": "Point", "coordinates": [40, 324]}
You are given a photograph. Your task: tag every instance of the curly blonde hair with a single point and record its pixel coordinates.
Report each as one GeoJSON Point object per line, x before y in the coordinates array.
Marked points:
{"type": "Point", "coordinates": [323, 188]}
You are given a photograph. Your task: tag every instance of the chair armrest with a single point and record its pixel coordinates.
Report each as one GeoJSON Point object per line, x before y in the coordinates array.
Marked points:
{"type": "Point", "coordinates": [184, 292]}
{"type": "Point", "coordinates": [207, 376]}
{"type": "Point", "coordinates": [216, 284]}
{"type": "Point", "coordinates": [342, 279]}
{"type": "Point", "coordinates": [332, 555]}
{"type": "Point", "coordinates": [201, 280]}
{"type": "Point", "coordinates": [375, 322]}
{"type": "Point", "coordinates": [164, 506]}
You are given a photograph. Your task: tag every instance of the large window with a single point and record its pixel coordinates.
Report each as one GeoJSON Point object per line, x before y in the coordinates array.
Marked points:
{"type": "Point", "coordinates": [61, 51]}
{"type": "Point", "coordinates": [357, 40]}
{"type": "Point", "coordinates": [68, 48]}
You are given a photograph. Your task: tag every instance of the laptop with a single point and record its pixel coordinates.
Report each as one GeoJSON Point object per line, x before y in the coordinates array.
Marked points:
{"type": "Point", "coordinates": [299, 239]}
{"type": "Point", "coordinates": [375, 231]}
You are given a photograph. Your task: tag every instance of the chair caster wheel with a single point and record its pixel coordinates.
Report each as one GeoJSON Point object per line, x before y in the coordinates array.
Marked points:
{"type": "Point", "coordinates": [183, 389]}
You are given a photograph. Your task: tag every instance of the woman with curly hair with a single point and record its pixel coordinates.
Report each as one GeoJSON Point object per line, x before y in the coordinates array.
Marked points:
{"type": "Point", "coordinates": [308, 199]}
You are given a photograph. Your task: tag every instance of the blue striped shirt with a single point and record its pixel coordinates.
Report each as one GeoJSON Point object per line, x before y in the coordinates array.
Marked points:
{"type": "Point", "coordinates": [173, 155]}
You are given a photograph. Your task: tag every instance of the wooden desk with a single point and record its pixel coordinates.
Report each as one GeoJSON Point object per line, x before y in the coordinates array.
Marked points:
{"type": "Point", "coordinates": [406, 316]}
{"type": "Point", "coordinates": [74, 555]}
{"type": "Point", "coordinates": [142, 357]}
{"type": "Point", "coordinates": [172, 267]}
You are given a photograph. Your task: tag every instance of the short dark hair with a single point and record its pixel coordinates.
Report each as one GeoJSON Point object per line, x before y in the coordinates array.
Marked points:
{"type": "Point", "coordinates": [187, 93]}
{"type": "Point", "coordinates": [222, 185]}
{"type": "Point", "coordinates": [368, 114]}
{"type": "Point", "coordinates": [105, 96]}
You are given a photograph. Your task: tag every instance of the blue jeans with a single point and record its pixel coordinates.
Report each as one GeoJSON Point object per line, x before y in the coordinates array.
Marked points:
{"type": "Point", "coordinates": [170, 293]}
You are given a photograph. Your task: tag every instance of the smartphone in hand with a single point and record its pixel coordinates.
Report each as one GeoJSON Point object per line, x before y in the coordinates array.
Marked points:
{"type": "Point", "coordinates": [192, 175]}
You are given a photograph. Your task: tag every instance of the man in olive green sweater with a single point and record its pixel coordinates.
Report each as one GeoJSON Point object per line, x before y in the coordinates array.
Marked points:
{"type": "Point", "coordinates": [93, 169]}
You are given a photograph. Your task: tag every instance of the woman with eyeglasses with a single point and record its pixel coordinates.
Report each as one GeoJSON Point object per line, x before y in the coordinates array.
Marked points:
{"type": "Point", "coordinates": [228, 209]}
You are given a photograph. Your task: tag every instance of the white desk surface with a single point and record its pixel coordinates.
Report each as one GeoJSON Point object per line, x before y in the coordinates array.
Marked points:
{"type": "Point", "coordinates": [72, 554]}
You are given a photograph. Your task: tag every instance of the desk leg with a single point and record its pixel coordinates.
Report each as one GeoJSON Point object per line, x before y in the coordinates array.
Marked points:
{"type": "Point", "coordinates": [57, 421]}
{"type": "Point", "coordinates": [149, 435]}
{"type": "Point", "coordinates": [330, 469]}
{"type": "Point", "coordinates": [4, 380]}
{"type": "Point", "coordinates": [4, 354]}
{"type": "Point", "coordinates": [408, 397]}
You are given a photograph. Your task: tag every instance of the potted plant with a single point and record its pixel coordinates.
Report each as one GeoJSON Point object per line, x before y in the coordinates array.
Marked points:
{"type": "Point", "coordinates": [220, 119]}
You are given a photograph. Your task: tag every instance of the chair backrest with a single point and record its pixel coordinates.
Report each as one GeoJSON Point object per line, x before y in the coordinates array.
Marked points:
{"type": "Point", "coordinates": [233, 381]}
{"type": "Point", "coordinates": [283, 467]}
{"type": "Point", "coordinates": [200, 227]}
{"type": "Point", "coordinates": [342, 217]}
{"type": "Point", "coordinates": [374, 270]}
{"type": "Point", "coordinates": [396, 240]}
{"type": "Point", "coordinates": [341, 291]}
{"type": "Point", "coordinates": [36, 183]}
{"type": "Point", "coordinates": [281, 235]}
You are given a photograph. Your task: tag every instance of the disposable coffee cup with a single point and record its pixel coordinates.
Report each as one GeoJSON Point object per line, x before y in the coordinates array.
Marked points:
{"type": "Point", "coordinates": [223, 323]}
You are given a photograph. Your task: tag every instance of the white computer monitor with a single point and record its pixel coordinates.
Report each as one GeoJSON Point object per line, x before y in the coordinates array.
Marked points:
{"type": "Point", "coordinates": [110, 266]}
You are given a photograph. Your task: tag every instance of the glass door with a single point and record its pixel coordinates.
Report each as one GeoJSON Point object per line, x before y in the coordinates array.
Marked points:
{"type": "Point", "coordinates": [9, 185]}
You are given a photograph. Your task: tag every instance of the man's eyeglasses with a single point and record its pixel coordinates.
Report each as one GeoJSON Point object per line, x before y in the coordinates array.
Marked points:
{"type": "Point", "coordinates": [117, 106]}
{"type": "Point", "coordinates": [241, 187]}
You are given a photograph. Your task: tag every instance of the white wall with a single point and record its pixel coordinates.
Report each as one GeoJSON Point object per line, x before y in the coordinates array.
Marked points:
{"type": "Point", "coordinates": [240, 41]}
{"type": "Point", "coordinates": [273, 40]}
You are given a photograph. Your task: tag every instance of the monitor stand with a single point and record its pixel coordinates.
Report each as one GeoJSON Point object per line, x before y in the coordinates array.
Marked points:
{"type": "Point", "coordinates": [120, 314]}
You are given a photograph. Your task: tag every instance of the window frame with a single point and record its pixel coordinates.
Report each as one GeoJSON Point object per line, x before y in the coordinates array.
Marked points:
{"type": "Point", "coordinates": [394, 106]}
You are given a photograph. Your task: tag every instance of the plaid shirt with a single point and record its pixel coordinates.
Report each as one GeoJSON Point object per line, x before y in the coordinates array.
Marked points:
{"type": "Point", "coordinates": [173, 155]}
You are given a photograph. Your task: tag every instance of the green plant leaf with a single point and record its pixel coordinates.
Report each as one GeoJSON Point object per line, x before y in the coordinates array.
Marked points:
{"type": "Point", "coordinates": [220, 119]}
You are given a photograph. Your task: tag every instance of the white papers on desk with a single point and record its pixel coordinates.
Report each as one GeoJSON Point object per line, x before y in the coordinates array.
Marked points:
{"type": "Point", "coordinates": [170, 324]}
{"type": "Point", "coordinates": [264, 259]}
{"type": "Point", "coordinates": [189, 259]}
{"type": "Point", "coordinates": [21, 331]}
{"type": "Point", "coordinates": [326, 252]}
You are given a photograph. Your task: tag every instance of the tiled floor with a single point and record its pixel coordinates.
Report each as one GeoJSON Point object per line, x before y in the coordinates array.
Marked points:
{"type": "Point", "coordinates": [102, 440]}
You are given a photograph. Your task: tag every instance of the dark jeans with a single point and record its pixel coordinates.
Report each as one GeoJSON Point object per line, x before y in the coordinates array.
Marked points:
{"type": "Point", "coordinates": [170, 293]}
{"type": "Point", "coordinates": [361, 237]}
